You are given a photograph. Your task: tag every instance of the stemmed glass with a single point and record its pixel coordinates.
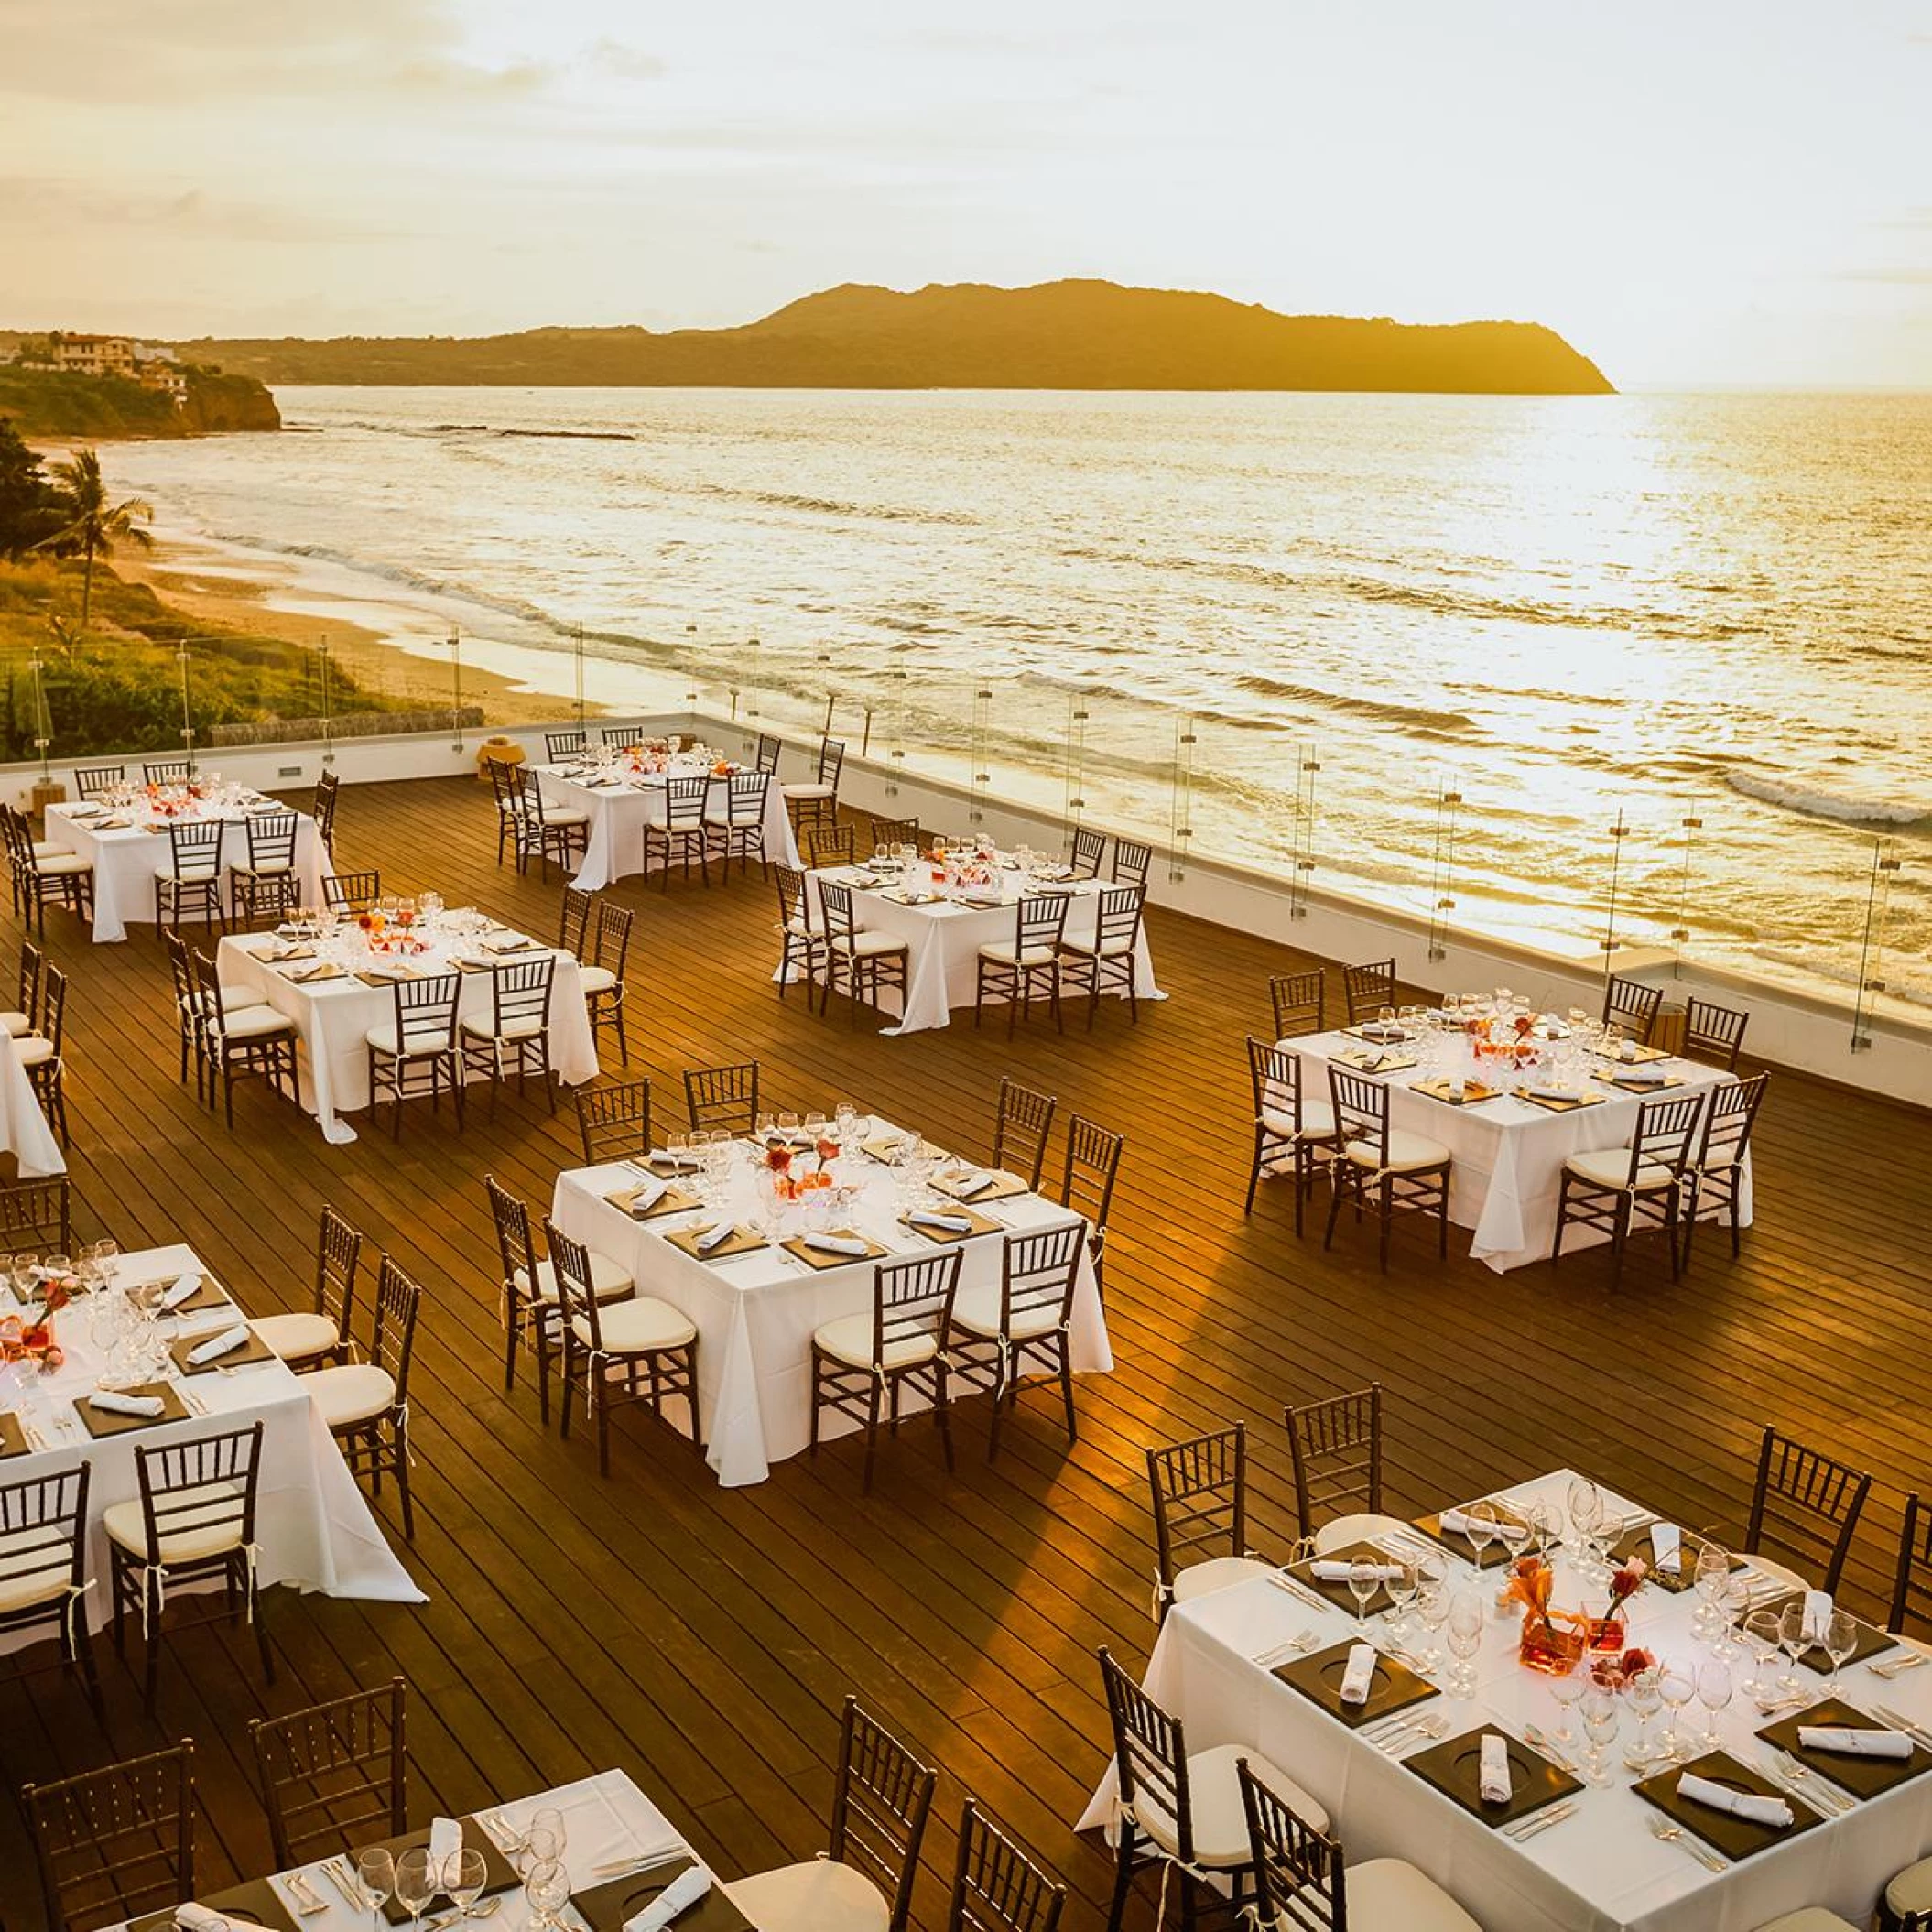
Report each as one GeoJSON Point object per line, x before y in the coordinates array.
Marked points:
{"type": "Point", "coordinates": [1792, 1634]}
{"type": "Point", "coordinates": [1840, 1643]}
{"type": "Point", "coordinates": [547, 1888]}
{"type": "Point", "coordinates": [1677, 1685]}
{"type": "Point", "coordinates": [464, 1875]}
{"type": "Point", "coordinates": [1712, 1572]}
{"type": "Point", "coordinates": [1432, 1605]}
{"type": "Point", "coordinates": [1363, 1583]}
{"type": "Point", "coordinates": [1761, 1633]}
{"type": "Point", "coordinates": [1584, 1499]}
{"type": "Point", "coordinates": [1401, 1589]}
{"type": "Point", "coordinates": [1646, 1701]}
{"type": "Point", "coordinates": [1599, 1727]}
{"type": "Point", "coordinates": [417, 1883]}
{"type": "Point", "coordinates": [1734, 1605]}
{"type": "Point", "coordinates": [1481, 1524]}
{"type": "Point", "coordinates": [1465, 1639]}
{"type": "Point", "coordinates": [1713, 1694]}
{"type": "Point", "coordinates": [1566, 1687]}
{"type": "Point", "coordinates": [1546, 1527]}
{"type": "Point", "coordinates": [375, 1873]}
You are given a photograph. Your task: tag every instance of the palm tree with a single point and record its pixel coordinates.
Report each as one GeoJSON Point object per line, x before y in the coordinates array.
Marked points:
{"type": "Point", "coordinates": [92, 525]}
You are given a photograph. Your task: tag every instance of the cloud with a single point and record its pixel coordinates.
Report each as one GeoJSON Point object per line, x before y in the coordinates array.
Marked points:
{"type": "Point", "coordinates": [629, 63]}
{"type": "Point", "coordinates": [187, 211]}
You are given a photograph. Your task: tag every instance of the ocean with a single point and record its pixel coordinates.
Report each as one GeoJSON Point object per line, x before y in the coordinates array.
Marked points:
{"type": "Point", "coordinates": [1671, 608]}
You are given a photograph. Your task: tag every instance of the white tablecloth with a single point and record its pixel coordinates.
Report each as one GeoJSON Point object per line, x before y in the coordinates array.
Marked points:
{"type": "Point", "coordinates": [1509, 1153]}
{"type": "Point", "coordinates": [315, 1528]}
{"type": "Point", "coordinates": [619, 813]}
{"type": "Point", "coordinates": [23, 1127]}
{"type": "Point", "coordinates": [1601, 1871]}
{"type": "Point", "coordinates": [756, 1315]}
{"type": "Point", "coordinates": [333, 1016]}
{"type": "Point", "coordinates": [126, 861]}
{"type": "Point", "coordinates": [943, 940]}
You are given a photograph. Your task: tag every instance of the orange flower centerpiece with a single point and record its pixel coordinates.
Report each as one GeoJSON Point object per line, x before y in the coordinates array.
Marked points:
{"type": "Point", "coordinates": [36, 1332]}
{"type": "Point", "coordinates": [1553, 1640]}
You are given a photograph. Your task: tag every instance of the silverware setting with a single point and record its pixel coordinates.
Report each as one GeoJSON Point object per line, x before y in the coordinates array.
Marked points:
{"type": "Point", "coordinates": [483, 1909]}
{"type": "Point", "coordinates": [1297, 1646]}
{"type": "Point", "coordinates": [1528, 1828]}
{"type": "Point", "coordinates": [1399, 1733]}
{"type": "Point", "coordinates": [302, 1895]}
{"type": "Point", "coordinates": [1893, 1666]}
{"type": "Point", "coordinates": [1803, 1782]}
{"type": "Point", "coordinates": [1661, 1828]}
{"type": "Point", "coordinates": [1295, 1587]}
{"type": "Point", "coordinates": [1535, 1738]}
{"type": "Point", "coordinates": [350, 1886]}
{"type": "Point", "coordinates": [1899, 1721]}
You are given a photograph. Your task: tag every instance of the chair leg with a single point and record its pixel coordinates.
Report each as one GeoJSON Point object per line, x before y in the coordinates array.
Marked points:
{"type": "Point", "coordinates": [1335, 1185]}
{"type": "Point", "coordinates": [871, 1432]}
{"type": "Point", "coordinates": [1254, 1180]}
{"type": "Point", "coordinates": [1556, 1247]}
{"type": "Point", "coordinates": [1123, 1875]}
{"type": "Point", "coordinates": [1073, 1428]}
{"type": "Point", "coordinates": [942, 1411]}
{"type": "Point", "coordinates": [401, 1431]}
{"type": "Point", "coordinates": [513, 1320]}
{"type": "Point", "coordinates": [1387, 1217]}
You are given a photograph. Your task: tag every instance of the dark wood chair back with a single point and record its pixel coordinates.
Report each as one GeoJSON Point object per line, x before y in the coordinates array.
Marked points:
{"type": "Point", "coordinates": [1131, 863]}
{"type": "Point", "coordinates": [1630, 1005]}
{"type": "Point", "coordinates": [1301, 1001]}
{"type": "Point", "coordinates": [1806, 1502]}
{"type": "Point", "coordinates": [1665, 1133]}
{"type": "Point", "coordinates": [1912, 1583]}
{"type": "Point", "coordinates": [1039, 925]}
{"type": "Point", "coordinates": [205, 1487]}
{"type": "Point", "coordinates": [1368, 988]}
{"type": "Point", "coordinates": [515, 1247]}
{"type": "Point", "coordinates": [1093, 1166]}
{"type": "Point", "coordinates": [271, 841]}
{"type": "Point", "coordinates": [426, 1013]}
{"type": "Point", "coordinates": [1037, 1274]}
{"type": "Point", "coordinates": [1275, 1078]}
{"type": "Point", "coordinates": [880, 1805]}
{"type": "Point", "coordinates": [353, 891]}
{"type": "Point", "coordinates": [520, 996]}
{"type": "Point", "coordinates": [831, 763]}
{"type": "Point", "coordinates": [894, 832]}
{"type": "Point", "coordinates": [997, 1884]}
{"type": "Point", "coordinates": [1730, 1114]}
{"type": "Point", "coordinates": [565, 744]}
{"type": "Point", "coordinates": [194, 847]}
{"type": "Point", "coordinates": [684, 803]}
{"type": "Point", "coordinates": [166, 771]}
{"type": "Point", "coordinates": [1150, 1757]}
{"type": "Point", "coordinates": [43, 1547]}
{"type": "Point", "coordinates": [1299, 1884]}
{"type": "Point", "coordinates": [1200, 1499]}
{"type": "Point", "coordinates": [1021, 1130]}
{"type": "Point", "coordinates": [1089, 849]}
{"type": "Point", "coordinates": [337, 1255]}
{"type": "Point", "coordinates": [1362, 1111]}
{"type": "Point", "coordinates": [1335, 1448]}
{"type": "Point", "coordinates": [769, 748]}
{"type": "Point", "coordinates": [723, 1097]}
{"type": "Point", "coordinates": [37, 1216]}
{"type": "Point", "coordinates": [92, 780]}
{"type": "Point", "coordinates": [1714, 1033]}
{"type": "Point", "coordinates": [573, 924]}
{"type": "Point", "coordinates": [32, 961]}
{"type": "Point", "coordinates": [912, 1302]}
{"type": "Point", "coordinates": [334, 1776]}
{"type": "Point", "coordinates": [615, 1121]}
{"type": "Point", "coordinates": [116, 1842]}
{"type": "Point", "coordinates": [829, 845]}
{"type": "Point", "coordinates": [398, 1303]}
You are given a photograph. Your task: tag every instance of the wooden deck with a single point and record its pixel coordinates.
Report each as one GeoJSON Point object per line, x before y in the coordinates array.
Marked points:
{"type": "Point", "coordinates": [702, 1639]}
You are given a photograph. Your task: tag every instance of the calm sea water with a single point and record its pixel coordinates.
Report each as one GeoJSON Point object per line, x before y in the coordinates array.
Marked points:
{"type": "Point", "coordinates": [1716, 608]}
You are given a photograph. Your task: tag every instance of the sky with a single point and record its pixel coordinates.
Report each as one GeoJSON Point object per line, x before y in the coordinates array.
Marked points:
{"type": "Point", "coordinates": [1698, 192]}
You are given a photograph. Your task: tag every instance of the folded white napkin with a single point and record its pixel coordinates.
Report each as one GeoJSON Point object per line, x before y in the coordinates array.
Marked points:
{"type": "Point", "coordinates": [1627, 1051]}
{"type": "Point", "coordinates": [836, 1244]}
{"type": "Point", "coordinates": [225, 1343]}
{"type": "Point", "coordinates": [446, 1840]}
{"type": "Point", "coordinates": [721, 1234]}
{"type": "Point", "coordinates": [953, 1224]}
{"type": "Point", "coordinates": [678, 1896]}
{"type": "Point", "coordinates": [1740, 1804]}
{"type": "Point", "coordinates": [1369, 1062]}
{"type": "Point", "coordinates": [649, 1190]}
{"type": "Point", "coordinates": [663, 1157]}
{"type": "Point", "coordinates": [1853, 1743]}
{"type": "Point", "coordinates": [1493, 1777]}
{"type": "Point", "coordinates": [1817, 1614]}
{"type": "Point", "coordinates": [1666, 1545]}
{"type": "Point", "coordinates": [1375, 1030]}
{"type": "Point", "coordinates": [1330, 1570]}
{"type": "Point", "coordinates": [182, 1290]}
{"type": "Point", "coordinates": [971, 1184]}
{"type": "Point", "coordinates": [1359, 1675]}
{"type": "Point", "coordinates": [205, 1918]}
{"type": "Point", "coordinates": [115, 1403]}
{"type": "Point", "coordinates": [1555, 1030]}
{"type": "Point", "coordinates": [1549, 1090]}
{"type": "Point", "coordinates": [1456, 1522]}
{"type": "Point", "coordinates": [1643, 1077]}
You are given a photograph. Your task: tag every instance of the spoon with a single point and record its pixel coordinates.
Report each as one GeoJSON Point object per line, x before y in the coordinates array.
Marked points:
{"type": "Point", "coordinates": [1676, 1835]}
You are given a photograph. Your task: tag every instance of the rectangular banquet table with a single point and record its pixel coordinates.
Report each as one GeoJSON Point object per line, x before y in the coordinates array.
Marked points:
{"type": "Point", "coordinates": [1599, 1870]}
{"type": "Point", "coordinates": [24, 1132]}
{"type": "Point", "coordinates": [1509, 1153]}
{"type": "Point", "coordinates": [757, 1314]}
{"type": "Point", "coordinates": [618, 810]}
{"type": "Point", "coordinates": [128, 858]}
{"type": "Point", "coordinates": [943, 938]}
{"type": "Point", "coordinates": [333, 1016]}
{"type": "Point", "coordinates": [315, 1528]}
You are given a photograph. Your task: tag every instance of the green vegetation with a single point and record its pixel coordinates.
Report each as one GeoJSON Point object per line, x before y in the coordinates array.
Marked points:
{"type": "Point", "coordinates": [90, 524]}
{"type": "Point", "coordinates": [48, 402]}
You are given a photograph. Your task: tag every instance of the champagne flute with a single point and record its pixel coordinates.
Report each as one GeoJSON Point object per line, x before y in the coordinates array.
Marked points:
{"type": "Point", "coordinates": [375, 1873]}
{"type": "Point", "coordinates": [1840, 1643]}
{"type": "Point", "coordinates": [417, 1879]}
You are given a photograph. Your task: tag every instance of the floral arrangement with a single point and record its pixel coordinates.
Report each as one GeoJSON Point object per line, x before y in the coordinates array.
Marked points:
{"type": "Point", "coordinates": [1614, 1673]}
{"type": "Point", "coordinates": [1553, 1640]}
{"type": "Point", "coordinates": [31, 1339]}
{"type": "Point", "coordinates": [780, 1158]}
{"type": "Point", "coordinates": [1513, 1040]}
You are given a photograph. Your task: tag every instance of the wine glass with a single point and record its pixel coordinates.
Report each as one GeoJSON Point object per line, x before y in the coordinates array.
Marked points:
{"type": "Point", "coordinates": [1363, 1583]}
{"type": "Point", "coordinates": [1792, 1634]}
{"type": "Point", "coordinates": [1677, 1685]}
{"type": "Point", "coordinates": [1712, 1572]}
{"type": "Point", "coordinates": [1584, 1499]}
{"type": "Point", "coordinates": [1840, 1642]}
{"type": "Point", "coordinates": [1432, 1605]}
{"type": "Point", "coordinates": [417, 1879]}
{"type": "Point", "coordinates": [1566, 1687]}
{"type": "Point", "coordinates": [1599, 1712]}
{"type": "Point", "coordinates": [464, 1875]}
{"type": "Point", "coordinates": [375, 1873]}
{"type": "Point", "coordinates": [1734, 1605]}
{"type": "Point", "coordinates": [1714, 1689]}
{"type": "Point", "coordinates": [1546, 1527]}
{"type": "Point", "coordinates": [1480, 1524]}
{"type": "Point", "coordinates": [547, 1889]}
{"type": "Point", "coordinates": [1402, 1588]}
{"type": "Point", "coordinates": [1645, 1700]}
{"type": "Point", "coordinates": [1465, 1639]}
{"type": "Point", "coordinates": [1761, 1632]}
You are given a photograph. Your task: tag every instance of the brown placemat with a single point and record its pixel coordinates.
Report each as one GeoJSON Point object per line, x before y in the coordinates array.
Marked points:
{"type": "Point", "coordinates": [1397, 1037]}
{"type": "Point", "coordinates": [13, 1437]}
{"type": "Point", "coordinates": [1473, 1092]}
{"type": "Point", "coordinates": [946, 1236]}
{"type": "Point", "coordinates": [1638, 1544]}
{"type": "Point", "coordinates": [1643, 1088]}
{"type": "Point", "coordinates": [1496, 1555]}
{"type": "Point", "coordinates": [388, 975]}
{"type": "Point", "coordinates": [883, 1147]}
{"type": "Point", "coordinates": [1455, 1768]}
{"type": "Point", "coordinates": [256, 1901]}
{"type": "Point", "coordinates": [673, 1200]}
{"type": "Point", "coordinates": [254, 1349]}
{"type": "Point", "coordinates": [1734, 1837]}
{"type": "Point", "coordinates": [817, 1258]}
{"type": "Point", "coordinates": [741, 1240]}
{"type": "Point", "coordinates": [1356, 1060]}
{"type": "Point", "coordinates": [1643, 1057]}
{"type": "Point", "coordinates": [497, 1873]}
{"type": "Point", "coordinates": [1862, 1777]}
{"type": "Point", "coordinates": [1004, 1186]}
{"type": "Point", "coordinates": [315, 975]}
{"type": "Point", "coordinates": [1872, 1642]}
{"type": "Point", "coordinates": [1563, 1102]}
{"type": "Point", "coordinates": [1338, 1592]}
{"type": "Point", "coordinates": [1318, 1677]}
{"type": "Point", "coordinates": [608, 1908]}
{"type": "Point", "coordinates": [105, 1422]}
{"type": "Point", "coordinates": [208, 1295]}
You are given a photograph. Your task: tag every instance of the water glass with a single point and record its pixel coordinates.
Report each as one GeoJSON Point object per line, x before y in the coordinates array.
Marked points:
{"type": "Point", "coordinates": [463, 1876]}
{"type": "Point", "coordinates": [1363, 1583]}
{"type": "Point", "coordinates": [1645, 1700]}
{"type": "Point", "coordinates": [375, 1873]}
{"type": "Point", "coordinates": [1566, 1688]}
{"type": "Point", "coordinates": [1761, 1632]}
{"type": "Point", "coordinates": [1792, 1635]}
{"type": "Point", "coordinates": [1712, 1573]}
{"type": "Point", "coordinates": [1713, 1693]}
{"type": "Point", "coordinates": [417, 1883]}
{"type": "Point", "coordinates": [1584, 1501]}
{"type": "Point", "coordinates": [1840, 1642]}
{"type": "Point", "coordinates": [1483, 1524]}
{"type": "Point", "coordinates": [1402, 1588]}
{"type": "Point", "coordinates": [547, 1890]}
{"type": "Point", "coordinates": [1677, 1685]}
{"type": "Point", "coordinates": [1465, 1639]}
{"type": "Point", "coordinates": [1432, 1605]}
{"type": "Point", "coordinates": [1599, 1714]}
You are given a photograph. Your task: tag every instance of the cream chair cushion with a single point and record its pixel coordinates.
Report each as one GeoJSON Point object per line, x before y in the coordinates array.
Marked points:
{"type": "Point", "coordinates": [64, 864]}
{"type": "Point", "coordinates": [32, 1050]}
{"type": "Point", "coordinates": [353, 1392]}
{"type": "Point", "coordinates": [1408, 1152]}
{"type": "Point", "coordinates": [869, 944]}
{"type": "Point", "coordinates": [1811, 1919]}
{"type": "Point", "coordinates": [16, 1023]}
{"type": "Point", "coordinates": [1389, 1895]}
{"type": "Point", "coordinates": [610, 1280]}
{"type": "Point", "coordinates": [297, 1336]}
{"type": "Point", "coordinates": [812, 790]}
{"type": "Point", "coordinates": [482, 1027]}
{"type": "Point", "coordinates": [554, 819]}
{"type": "Point", "coordinates": [822, 1897]}
{"type": "Point", "coordinates": [1364, 1527]}
{"type": "Point", "coordinates": [1911, 1890]}
{"type": "Point", "coordinates": [1201, 1579]}
{"type": "Point", "coordinates": [1010, 955]}
{"type": "Point", "coordinates": [33, 1568]}
{"type": "Point", "coordinates": [230, 999]}
{"type": "Point", "coordinates": [252, 1023]}
{"type": "Point", "coordinates": [595, 979]}
{"type": "Point", "coordinates": [126, 1525]}
{"type": "Point", "coordinates": [1110, 949]}
{"type": "Point", "coordinates": [1610, 1168]}
{"type": "Point", "coordinates": [1221, 1821]}
{"type": "Point", "coordinates": [976, 1310]}
{"type": "Point", "coordinates": [382, 1038]}
{"type": "Point", "coordinates": [849, 1340]}
{"type": "Point", "coordinates": [1318, 1121]}
{"type": "Point", "coordinates": [1790, 1578]}
{"type": "Point", "coordinates": [638, 1327]}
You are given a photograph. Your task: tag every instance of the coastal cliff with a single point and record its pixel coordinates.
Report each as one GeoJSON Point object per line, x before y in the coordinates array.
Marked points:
{"type": "Point", "coordinates": [1059, 335]}
{"type": "Point", "coordinates": [55, 403]}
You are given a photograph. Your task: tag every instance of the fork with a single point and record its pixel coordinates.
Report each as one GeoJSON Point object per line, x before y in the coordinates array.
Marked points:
{"type": "Point", "coordinates": [1661, 1828]}
{"type": "Point", "coordinates": [1892, 1669]}
{"type": "Point", "coordinates": [1803, 1782]}
{"type": "Point", "coordinates": [1528, 1828]}
{"type": "Point", "coordinates": [1399, 1737]}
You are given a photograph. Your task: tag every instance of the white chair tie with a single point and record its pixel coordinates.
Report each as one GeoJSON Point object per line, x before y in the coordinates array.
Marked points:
{"type": "Point", "coordinates": [69, 1613]}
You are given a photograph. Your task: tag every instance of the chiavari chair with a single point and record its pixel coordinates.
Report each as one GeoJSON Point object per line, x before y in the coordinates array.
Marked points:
{"type": "Point", "coordinates": [43, 1564]}
{"type": "Point", "coordinates": [801, 940]}
{"type": "Point", "coordinates": [40, 1052]}
{"type": "Point", "coordinates": [92, 780]}
{"type": "Point", "coordinates": [1010, 968]}
{"type": "Point", "coordinates": [1387, 1164]}
{"type": "Point", "coordinates": [268, 887]}
{"type": "Point", "coordinates": [681, 837]}
{"type": "Point", "coordinates": [1912, 1580]}
{"type": "Point", "coordinates": [1000, 1329]}
{"type": "Point", "coordinates": [367, 1404]}
{"type": "Point", "coordinates": [1717, 1168]}
{"type": "Point", "coordinates": [816, 802]}
{"type": "Point", "coordinates": [1089, 849]}
{"type": "Point", "coordinates": [736, 824]}
{"type": "Point", "coordinates": [1183, 1809]}
{"type": "Point", "coordinates": [1289, 1126]}
{"type": "Point", "coordinates": [41, 873]}
{"type": "Point", "coordinates": [419, 1038]}
{"type": "Point", "coordinates": [333, 1776]}
{"type": "Point", "coordinates": [769, 748]}
{"type": "Point", "coordinates": [1368, 988]}
{"type": "Point", "coordinates": [862, 1363]}
{"type": "Point", "coordinates": [559, 745]}
{"type": "Point", "coordinates": [615, 1121]}
{"type": "Point", "coordinates": [321, 1334]}
{"type": "Point", "coordinates": [722, 1096]}
{"type": "Point", "coordinates": [168, 771]}
{"type": "Point", "coordinates": [997, 1884]}
{"type": "Point", "coordinates": [327, 790]}
{"type": "Point", "coordinates": [188, 1008]}
{"type": "Point", "coordinates": [829, 845]}
{"type": "Point", "coordinates": [1630, 1005]}
{"type": "Point", "coordinates": [242, 1042]}
{"type": "Point", "coordinates": [353, 891]}
{"type": "Point", "coordinates": [619, 1354]}
{"type": "Point", "coordinates": [1335, 1446]}
{"type": "Point", "coordinates": [530, 1302]}
{"type": "Point", "coordinates": [1200, 1489]}
{"type": "Point", "coordinates": [1617, 1190]}
{"type": "Point", "coordinates": [621, 736]}
{"type": "Point", "coordinates": [193, 1518]}
{"type": "Point", "coordinates": [1904, 1906]}
{"type": "Point", "coordinates": [601, 975]}
{"type": "Point", "coordinates": [192, 886]}
{"type": "Point", "coordinates": [544, 831]}
{"type": "Point", "coordinates": [579, 908]}
{"type": "Point", "coordinates": [114, 1842]}
{"type": "Point", "coordinates": [1301, 1004]}
{"type": "Point", "coordinates": [880, 1804]}
{"type": "Point", "coordinates": [1131, 863]}
{"type": "Point", "coordinates": [869, 964]}
{"type": "Point", "coordinates": [515, 1036]}
{"type": "Point", "coordinates": [888, 833]}
{"type": "Point", "coordinates": [1093, 1166]}
{"type": "Point", "coordinates": [1021, 1129]}
{"type": "Point", "coordinates": [25, 1017]}
{"type": "Point", "coordinates": [1111, 958]}
{"type": "Point", "coordinates": [1808, 1502]}
{"type": "Point", "coordinates": [1714, 1034]}
{"type": "Point", "coordinates": [1302, 1882]}
{"type": "Point", "coordinates": [37, 1216]}
{"type": "Point", "coordinates": [506, 784]}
